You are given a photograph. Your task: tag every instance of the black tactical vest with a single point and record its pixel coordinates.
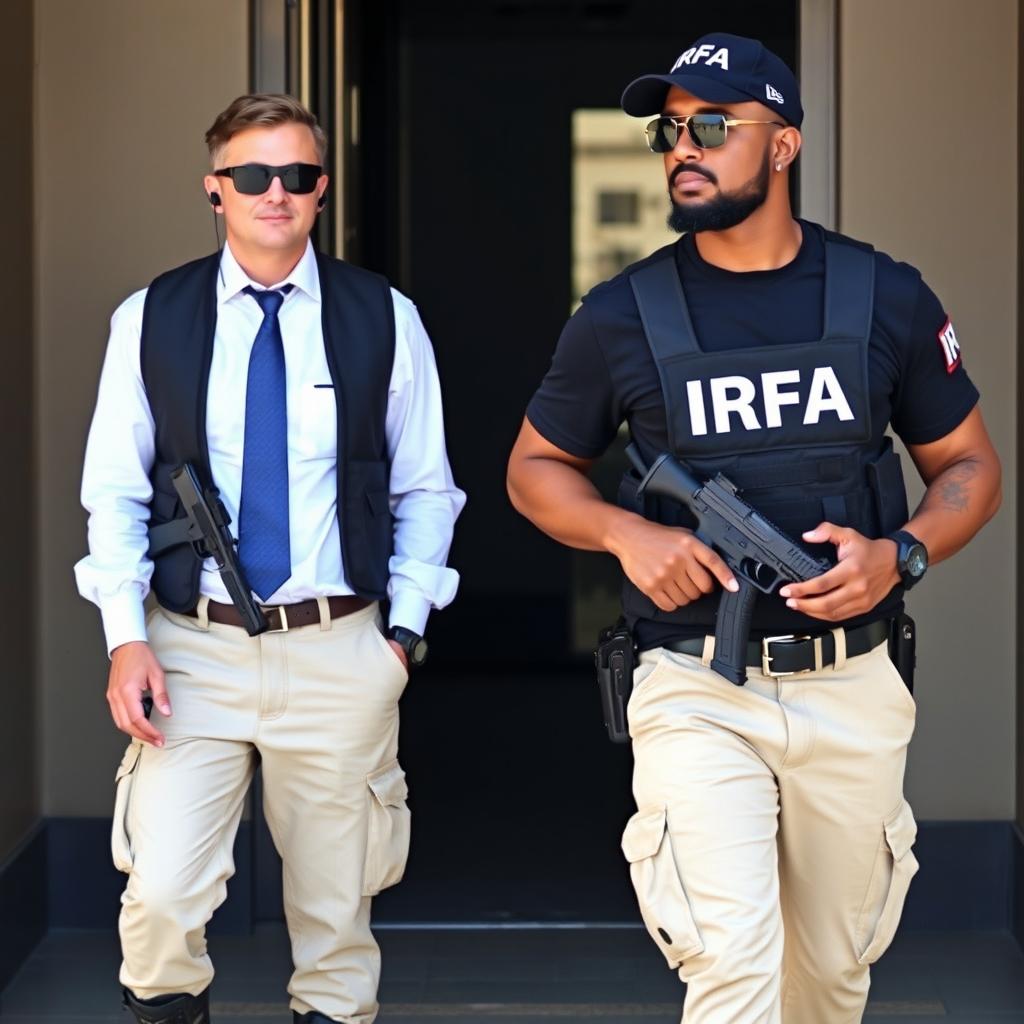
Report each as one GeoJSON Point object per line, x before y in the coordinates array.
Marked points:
{"type": "Point", "coordinates": [178, 325]}
{"type": "Point", "coordinates": [789, 424]}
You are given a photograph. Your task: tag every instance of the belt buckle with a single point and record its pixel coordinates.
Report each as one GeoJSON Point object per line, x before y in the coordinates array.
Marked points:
{"type": "Point", "coordinates": [283, 628]}
{"type": "Point", "coordinates": [785, 638]}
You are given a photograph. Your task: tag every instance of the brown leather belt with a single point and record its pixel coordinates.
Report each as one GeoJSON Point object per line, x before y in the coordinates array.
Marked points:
{"type": "Point", "coordinates": [282, 617]}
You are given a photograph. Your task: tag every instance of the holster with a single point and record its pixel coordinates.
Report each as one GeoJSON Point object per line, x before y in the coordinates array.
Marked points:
{"type": "Point", "coordinates": [615, 659]}
{"type": "Point", "coordinates": [903, 647]}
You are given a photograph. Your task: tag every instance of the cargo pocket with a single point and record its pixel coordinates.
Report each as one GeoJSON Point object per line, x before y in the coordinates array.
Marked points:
{"type": "Point", "coordinates": [387, 843]}
{"type": "Point", "coordinates": [647, 845]}
{"type": "Point", "coordinates": [895, 865]}
{"type": "Point", "coordinates": [120, 836]}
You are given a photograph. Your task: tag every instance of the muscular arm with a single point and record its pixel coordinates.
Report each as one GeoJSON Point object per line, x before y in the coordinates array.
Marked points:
{"type": "Point", "coordinates": [964, 491]}
{"type": "Point", "coordinates": [964, 481]}
{"type": "Point", "coordinates": [551, 488]}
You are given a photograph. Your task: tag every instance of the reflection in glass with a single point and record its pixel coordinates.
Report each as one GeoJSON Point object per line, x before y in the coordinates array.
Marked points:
{"type": "Point", "coordinates": [618, 207]}
{"type": "Point", "coordinates": [620, 199]}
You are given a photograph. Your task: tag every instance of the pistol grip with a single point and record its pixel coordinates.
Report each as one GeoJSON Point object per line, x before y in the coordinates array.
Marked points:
{"type": "Point", "coordinates": [732, 631]}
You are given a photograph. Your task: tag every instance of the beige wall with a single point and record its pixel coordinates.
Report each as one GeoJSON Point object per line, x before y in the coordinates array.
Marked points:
{"type": "Point", "coordinates": [125, 91]}
{"type": "Point", "coordinates": [19, 798]}
{"type": "Point", "coordinates": [1020, 391]}
{"type": "Point", "coordinates": [944, 198]}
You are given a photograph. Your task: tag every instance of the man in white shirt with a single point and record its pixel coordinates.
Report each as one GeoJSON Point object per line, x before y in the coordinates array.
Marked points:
{"type": "Point", "coordinates": [305, 391]}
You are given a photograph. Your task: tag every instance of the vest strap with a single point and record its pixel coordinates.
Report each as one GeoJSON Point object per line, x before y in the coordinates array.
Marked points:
{"type": "Point", "coordinates": [666, 321]}
{"type": "Point", "coordinates": [663, 310]}
{"type": "Point", "coordinates": [765, 472]}
{"type": "Point", "coordinates": [849, 291]}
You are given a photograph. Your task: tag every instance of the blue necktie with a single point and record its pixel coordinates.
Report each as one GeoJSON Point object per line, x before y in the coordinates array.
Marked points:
{"type": "Point", "coordinates": [263, 533]}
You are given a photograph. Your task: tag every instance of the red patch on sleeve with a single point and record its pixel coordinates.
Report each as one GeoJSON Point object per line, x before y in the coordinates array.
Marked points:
{"type": "Point", "coordinates": [949, 345]}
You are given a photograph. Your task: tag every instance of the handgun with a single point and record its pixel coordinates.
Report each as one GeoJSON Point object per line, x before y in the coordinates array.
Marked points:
{"type": "Point", "coordinates": [206, 527]}
{"type": "Point", "coordinates": [759, 554]}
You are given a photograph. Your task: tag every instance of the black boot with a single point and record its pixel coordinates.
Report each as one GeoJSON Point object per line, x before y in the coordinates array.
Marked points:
{"type": "Point", "coordinates": [173, 1009]}
{"type": "Point", "coordinates": [310, 1018]}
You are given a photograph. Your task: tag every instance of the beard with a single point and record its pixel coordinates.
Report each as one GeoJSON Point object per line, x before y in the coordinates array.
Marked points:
{"type": "Point", "coordinates": [726, 210]}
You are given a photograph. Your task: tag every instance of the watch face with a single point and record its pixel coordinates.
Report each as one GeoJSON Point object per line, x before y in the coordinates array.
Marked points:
{"type": "Point", "coordinates": [917, 560]}
{"type": "Point", "coordinates": [418, 652]}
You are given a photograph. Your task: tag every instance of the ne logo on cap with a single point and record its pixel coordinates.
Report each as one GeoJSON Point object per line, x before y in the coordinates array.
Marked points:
{"type": "Point", "coordinates": [704, 54]}
{"type": "Point", "coordinates": [773, 94]}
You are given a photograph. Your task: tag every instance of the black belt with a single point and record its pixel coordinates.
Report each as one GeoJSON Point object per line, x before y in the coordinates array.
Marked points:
{"type": "Point", "coordinates": [795, 653]}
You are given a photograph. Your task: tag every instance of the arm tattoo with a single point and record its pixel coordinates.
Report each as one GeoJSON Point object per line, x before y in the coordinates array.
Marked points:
{"type": "Point", "coordinates": [951, 490]}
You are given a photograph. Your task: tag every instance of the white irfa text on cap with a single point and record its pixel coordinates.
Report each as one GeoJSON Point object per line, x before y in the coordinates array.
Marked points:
{"type": "Point", "coordinates": [704, 54]}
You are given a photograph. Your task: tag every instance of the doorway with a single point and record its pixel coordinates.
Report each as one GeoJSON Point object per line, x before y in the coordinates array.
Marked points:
{"type": "Point", "coordinates": [462, 171]}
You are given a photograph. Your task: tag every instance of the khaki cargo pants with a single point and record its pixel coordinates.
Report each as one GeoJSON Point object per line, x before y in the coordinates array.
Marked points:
{"type": "Point", "coordinates": [320, 706]}
{"type": "Point", "coordinates": [771, 849]}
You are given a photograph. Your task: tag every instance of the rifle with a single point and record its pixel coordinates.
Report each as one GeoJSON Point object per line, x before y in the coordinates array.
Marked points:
{"type": "Point", "coordinates": [759, 554]}
{"type": "Point", "coordinates": [206, 529]}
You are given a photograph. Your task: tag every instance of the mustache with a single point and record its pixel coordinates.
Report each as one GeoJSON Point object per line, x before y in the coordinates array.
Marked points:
{"type": "Point", "coordinates": [691, 169]}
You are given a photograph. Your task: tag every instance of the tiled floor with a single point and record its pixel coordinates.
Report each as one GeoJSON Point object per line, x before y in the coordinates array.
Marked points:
{"type": "Point", "coordinates": [613, 976]}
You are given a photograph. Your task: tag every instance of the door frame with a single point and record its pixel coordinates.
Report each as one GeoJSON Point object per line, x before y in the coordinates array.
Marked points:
{"type": "Point", "coordinates": [287, 55]}
{"type": "Point", "coordinates": [819, 69]}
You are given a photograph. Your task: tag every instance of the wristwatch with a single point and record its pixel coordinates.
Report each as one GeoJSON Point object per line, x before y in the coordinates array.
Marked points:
{"type": "Point", "coordinates": [911, 558]}
{"type": "Point", "coordinates": [413, 644]}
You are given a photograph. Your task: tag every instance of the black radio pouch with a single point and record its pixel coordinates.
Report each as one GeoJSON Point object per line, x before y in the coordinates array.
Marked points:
{"type": "Point", "coordinates": [903, 647]}
{"type": "Point", "coordinates": [615, 659]}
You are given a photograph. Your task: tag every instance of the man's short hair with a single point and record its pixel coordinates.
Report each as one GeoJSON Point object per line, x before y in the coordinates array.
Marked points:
{"type": "Point", "coordinates": [262, 110]}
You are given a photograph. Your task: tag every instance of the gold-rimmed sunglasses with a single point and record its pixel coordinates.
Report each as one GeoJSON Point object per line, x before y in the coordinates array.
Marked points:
{"type": "Point", "coordinates": [706, 131]}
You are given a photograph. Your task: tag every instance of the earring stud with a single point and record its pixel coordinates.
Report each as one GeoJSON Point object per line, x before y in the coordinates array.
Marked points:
{"type": "Point", "coordinates": [778, 167]}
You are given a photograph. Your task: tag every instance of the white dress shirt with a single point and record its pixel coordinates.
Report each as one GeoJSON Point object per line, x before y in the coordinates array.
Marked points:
{"type": "Point", "coordinates": [116, 488]}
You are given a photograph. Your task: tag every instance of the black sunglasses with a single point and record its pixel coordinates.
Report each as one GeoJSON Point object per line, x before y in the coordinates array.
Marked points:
{"type": "Point", "coordinates": [706, 131]}
{"type": "Point", "coordinates": [255, 179]}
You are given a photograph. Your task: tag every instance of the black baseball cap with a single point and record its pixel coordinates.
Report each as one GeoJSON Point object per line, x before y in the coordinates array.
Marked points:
{"type": "Point", "coordinates": [722, 68]}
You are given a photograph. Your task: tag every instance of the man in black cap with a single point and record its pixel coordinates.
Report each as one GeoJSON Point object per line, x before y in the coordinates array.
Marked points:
{"type": "Point", "coordinates": [771, 849]}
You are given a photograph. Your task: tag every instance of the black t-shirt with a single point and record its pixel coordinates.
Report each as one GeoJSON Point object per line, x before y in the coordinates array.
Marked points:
{"type": "Point", "coordinates": [603, 373]}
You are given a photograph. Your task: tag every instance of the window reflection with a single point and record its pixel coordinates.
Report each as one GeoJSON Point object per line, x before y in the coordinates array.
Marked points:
{"type": "Point", "coordinates": [618, 207]}
{"type": "Point", "coordinates": [620, 200]}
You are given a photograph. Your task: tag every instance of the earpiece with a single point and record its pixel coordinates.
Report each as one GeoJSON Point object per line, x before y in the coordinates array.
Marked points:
{"type": "Point", "coordinates": [215, 201]}
{"type": "Point", "coordinates": [321, 202]}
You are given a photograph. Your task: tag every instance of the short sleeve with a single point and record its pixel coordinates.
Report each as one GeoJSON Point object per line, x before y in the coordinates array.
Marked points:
{"type": "Point", "coordinates": [575, 407]}
{"type": "Point", "coordinates": [934, 394]}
